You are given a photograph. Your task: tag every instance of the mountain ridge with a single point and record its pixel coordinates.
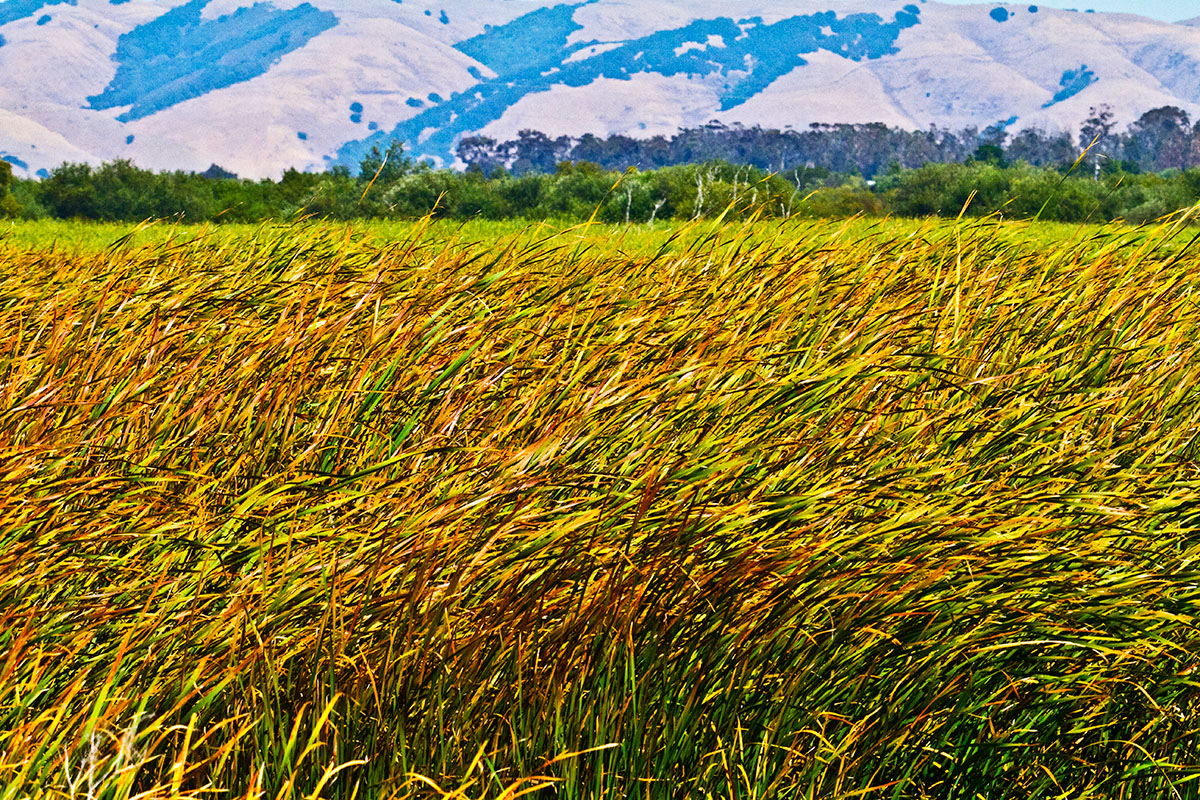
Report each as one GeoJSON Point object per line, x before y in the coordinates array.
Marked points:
{"type": "Point", "coordinates": [259, 87]}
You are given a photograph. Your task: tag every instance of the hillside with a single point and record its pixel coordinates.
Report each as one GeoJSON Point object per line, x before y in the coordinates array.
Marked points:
{"type": "Point", "coordinates": [259, 87]}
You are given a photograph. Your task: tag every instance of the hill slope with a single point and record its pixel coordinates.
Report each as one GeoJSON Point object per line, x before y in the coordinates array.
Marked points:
{"type": "Point", "coordinates": [259, 87]}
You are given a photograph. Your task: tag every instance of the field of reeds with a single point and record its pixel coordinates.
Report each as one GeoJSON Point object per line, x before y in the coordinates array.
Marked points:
{"type": "Point", "coordinates": [796, 510]}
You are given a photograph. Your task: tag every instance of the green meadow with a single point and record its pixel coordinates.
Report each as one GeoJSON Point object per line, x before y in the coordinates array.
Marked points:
{"type": "Point", "coordinates": [777, 509]}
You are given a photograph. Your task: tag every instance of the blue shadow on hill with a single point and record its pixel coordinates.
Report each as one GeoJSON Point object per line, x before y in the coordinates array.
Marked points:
{"type": "Point", "coordinates": [531, 54]}
{"type": "Point", "coordinates": [180, 56]}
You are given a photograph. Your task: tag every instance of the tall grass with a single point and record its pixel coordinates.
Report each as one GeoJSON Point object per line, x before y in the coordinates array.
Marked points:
{"type": "Point", "coordinates": [802, 511]}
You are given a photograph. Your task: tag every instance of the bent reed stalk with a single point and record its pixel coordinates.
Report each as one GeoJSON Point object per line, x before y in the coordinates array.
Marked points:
{"type": "Point", "coordinates": [902, 510]}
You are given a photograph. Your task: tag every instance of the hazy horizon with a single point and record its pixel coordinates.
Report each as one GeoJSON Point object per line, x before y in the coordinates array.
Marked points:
{"type": "Point", "coordinates": [1168, 10]}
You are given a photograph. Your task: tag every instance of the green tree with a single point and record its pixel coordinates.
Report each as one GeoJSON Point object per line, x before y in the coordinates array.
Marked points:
{"type": "Point", "coordinates": [989, 154]}
{"type": "Point", "coordinates": [69, 192]}
{"type": "Point", "coordinates": [335, 196]}
{"type": "Point", "coordinates": [8, 204]}
{"type": "Point", "coordinates": [1160, 139]}
{"type": "Point", "coordinates": [1096, 133]}
{"type": "Point", "coordinates": [385, 167]}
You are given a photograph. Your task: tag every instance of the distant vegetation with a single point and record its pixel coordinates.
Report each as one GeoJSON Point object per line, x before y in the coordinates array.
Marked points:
{"type": "Point", "coordinates": [1143, 173]}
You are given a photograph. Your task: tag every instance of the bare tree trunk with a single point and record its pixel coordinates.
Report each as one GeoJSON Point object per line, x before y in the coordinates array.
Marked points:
{"type": "Point", "coordinates": [657, 206]}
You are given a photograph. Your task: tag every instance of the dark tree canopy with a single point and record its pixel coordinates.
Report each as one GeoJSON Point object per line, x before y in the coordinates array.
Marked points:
{"type": "Point", "coordinates": [8, 204]}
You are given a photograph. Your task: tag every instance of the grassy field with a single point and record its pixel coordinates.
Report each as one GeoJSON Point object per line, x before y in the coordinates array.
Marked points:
{"type": "Point", "coordinates": [73, 238]}
{"type": "Point", "coordinates": [871, 509]}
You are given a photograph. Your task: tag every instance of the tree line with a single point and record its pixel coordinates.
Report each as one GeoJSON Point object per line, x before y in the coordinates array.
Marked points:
{"type": "Point", "coordinates": [1160, 139]}
{"type": "Point", "coordinates": [1144, 172]}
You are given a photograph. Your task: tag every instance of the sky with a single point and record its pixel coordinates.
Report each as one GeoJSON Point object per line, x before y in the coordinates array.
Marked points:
{"type": "Point", "coordinates": [1169, 10]}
